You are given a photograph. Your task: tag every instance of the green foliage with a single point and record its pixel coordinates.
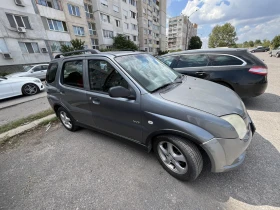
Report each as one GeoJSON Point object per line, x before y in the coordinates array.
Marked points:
{"type": "Point", "coordinates": [195, 43]}
{"type": "Point", "coordinates": [162, 52]}
{"type": "Point", "coordinates": [275, 42]}
{"type": "Point", "coordinates": [246, 44]}
{"type": "Point", "coordinates": [76, 44]}
{"type": "Point", "coordinates": [178, 50]}
{"type": "Point", "coordinates": [266, 43]}
{"type": "Point", "coordinates": [122, 43]}
{"type": "Point", "coordinates": [251, 44]}
{"type": "Point", "coordinates": [222, 36]}
{"type": "Point", "coordinates": [258, 42]}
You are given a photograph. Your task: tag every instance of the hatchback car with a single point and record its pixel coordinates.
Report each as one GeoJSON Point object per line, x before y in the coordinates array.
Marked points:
{"type": "Point", "coordinates": [134, 96]}
{"type": "Point", "coordinates": [236, 69]}
{"type": "Point", "coordinates": [260, 49]}
{"type": "Point", "coordinates": [39, 71]}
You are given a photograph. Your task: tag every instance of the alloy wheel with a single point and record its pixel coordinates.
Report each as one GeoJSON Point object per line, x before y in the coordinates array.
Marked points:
{"type": "Point", "coordinates": [172, 157]}
{"type": "Point", "coordinates": [30, 89]}
{"type": "Point", "coordinates": [65, 120]}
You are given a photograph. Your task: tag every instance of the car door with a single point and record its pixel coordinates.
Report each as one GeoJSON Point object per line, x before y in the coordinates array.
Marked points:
{"type": "Point", "coordinates": [72, 91]}
{"type": "Point", "coordinates": [195, 65]}
{"type": "Point", "coordinates": [36, 72]}
{"type": "Point", "coordinates": [119, 116]}
{"type": "Point", "coordinates": [6, 89]}
{"type": "Point", "coordinates": [43, 71]}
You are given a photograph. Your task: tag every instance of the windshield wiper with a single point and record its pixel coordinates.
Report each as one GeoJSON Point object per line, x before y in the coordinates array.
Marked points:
{"type": "Point", "coordinates": [179, 78]}
{"type": "Point", "coordinates": [163, 86]}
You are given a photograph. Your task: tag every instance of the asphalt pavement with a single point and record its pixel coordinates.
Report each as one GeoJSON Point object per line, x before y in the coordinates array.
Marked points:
{"type": "Point", "coordinates": [56, 169]}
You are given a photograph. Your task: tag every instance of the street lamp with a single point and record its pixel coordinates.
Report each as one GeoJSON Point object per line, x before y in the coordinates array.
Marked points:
{"type": "Point", "coordinates": [188, 18]}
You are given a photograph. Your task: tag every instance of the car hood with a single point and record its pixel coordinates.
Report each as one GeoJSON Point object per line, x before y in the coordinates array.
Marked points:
{"type": "Point", "coordinates": [19, 79]}
{"type": "Point", "coordinates": [205, 96]}
{"type": "Point", "coordinates": [18, 74]}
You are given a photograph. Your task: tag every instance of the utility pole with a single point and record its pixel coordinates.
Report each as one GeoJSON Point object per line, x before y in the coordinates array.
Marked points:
{"type": "Point", "coordinates": [188, 20]}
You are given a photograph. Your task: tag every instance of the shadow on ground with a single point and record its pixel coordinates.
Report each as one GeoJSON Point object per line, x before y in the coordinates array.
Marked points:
{"type": "Point", "coordinates": [256, 182]}
{"type": "Point", "coordinates": [266, 102]}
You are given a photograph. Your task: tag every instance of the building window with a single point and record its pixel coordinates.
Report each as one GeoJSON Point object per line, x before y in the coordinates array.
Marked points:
{"type": "Point", "coordinates": [118, 23]}
{"type": "Point", "coordinates": [145, 31]}
{"type": "Point", "coordinates": [29, 47]}
{"type": "Point", "coordinates": [125, 14]}
{"type": "Point", "coordinates": [124, 1]}
{"type": "Point", "coordinates": [150, 49]}
{"type": "Point", "coordinates": [109, 47]}
{"type": "Point", "coordinates": [144, 11]}
{"type": "Point", "coordinates": [132, 2]}
{"type": "Point", "coordinates": [79, 31]}
{"type": "Point", "coordinates": [3, 46]}
{"type": "Point", "coordinates": [74, 10]}
{"type": "Point", "coordinates": [88, 10]}
{"type": "Point", "coordinates": [108, 34]}
{"type": "Point", "coordinates": [18, 21]}
{"type": "Point", "coordinates": [126, 25]}
{"type": "Point", "coordinates": [115, 8]}
{"type": "Point", "coordinates": [55, 4]}
{"type": "Point", "coordinates": [150, 23]}
{"type": "Point", "coordinates": [92, 29]}
{"type": "Point", "coordinates": [146, 49]}
{"type": "Point", "coordinates": [150, 41]}
{"type": "Point", "coordinates": [105, 18]}
{"type": "Point", "coordinates": [133, 15]}
{"type": "Point", "coordinates": [104, 3]}
{"type": "Point", "coordinates": [135, 38]}
{"type": "Point", "coordinates": [94, 43]}
{"type": "Point", "coordinates": [146, 41]}
{"type": "Point", "coordinates": [134, 27]}
{"type": "Point", "coordinates": [150, 32]}
{"type": "Point", "coordinates": [128, 37]}
{"type": "Point", "coordinates": [56, 25]}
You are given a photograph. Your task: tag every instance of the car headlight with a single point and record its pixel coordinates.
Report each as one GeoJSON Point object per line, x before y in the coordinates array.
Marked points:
{"type": "Point", "coordinates": [37, 80]}
{"type": "Point", "coordinates": [238, 123]}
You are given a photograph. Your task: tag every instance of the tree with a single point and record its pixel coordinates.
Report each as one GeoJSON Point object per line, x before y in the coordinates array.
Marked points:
{"type": "Point", "coordinates": [258, 42]}
{"type": "Point", "coordinates": [122, 43]}
{"type": "Point", "coordinates": [266, 43]}
{"type": "Point", "coordinates": [246, 44]}
{"type": "Point", "coordinates": [195, 43]}
{"type": "Point", "coordinates": [251, 44]}
{"type": "Point", "coordinates": [222, 36]}
{"type": "Point", "coordinates": [275, 42]}
{"type": "Point", "coordinates": [76, 44]}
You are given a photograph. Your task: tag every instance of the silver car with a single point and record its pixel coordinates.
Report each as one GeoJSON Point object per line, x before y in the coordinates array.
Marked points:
{"type": "Point", "coordinates": [275, 52]}
{"type": "Point", "coordinates": [39, 71]}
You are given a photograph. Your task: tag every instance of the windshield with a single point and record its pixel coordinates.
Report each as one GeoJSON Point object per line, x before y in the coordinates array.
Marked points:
{"type": "Point", "coordinates": [27, 68]}
{"type": "Point", "coordinates": [149, 72]}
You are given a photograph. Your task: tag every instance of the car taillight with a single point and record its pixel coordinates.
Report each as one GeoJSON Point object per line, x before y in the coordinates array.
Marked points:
{"type": "Point", "coordinates": [261, 70]}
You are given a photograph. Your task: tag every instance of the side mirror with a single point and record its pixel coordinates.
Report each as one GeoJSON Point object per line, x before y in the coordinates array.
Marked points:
{"type": "Point", "coordinates": [121, 92]}
{"type": "Point", "coordinates": [31, 71]}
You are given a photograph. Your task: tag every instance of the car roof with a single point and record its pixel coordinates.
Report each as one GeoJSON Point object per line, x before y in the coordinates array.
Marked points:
{"type": "Point", "coordinates": [214, 50]}
{"type": "Point", "coordinates": [110, 54]}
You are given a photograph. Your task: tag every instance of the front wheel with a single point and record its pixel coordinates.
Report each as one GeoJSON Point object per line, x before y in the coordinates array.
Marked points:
{"type": "Point", "coordinates": [178, 156]}
{"type": "Point", "coordinates": [29, 89]}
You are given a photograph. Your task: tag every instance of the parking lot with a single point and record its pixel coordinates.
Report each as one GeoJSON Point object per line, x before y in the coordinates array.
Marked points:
{"type": "Point", "coordinates": [56, 169]}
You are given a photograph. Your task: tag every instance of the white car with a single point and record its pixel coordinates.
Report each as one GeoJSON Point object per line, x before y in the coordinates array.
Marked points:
{"type": "Point", "coordinates": [275, 52]}
{"type": "Point", "coordinates": [15, 86]}
{"type": "Point", "coordinates": [39, 71]}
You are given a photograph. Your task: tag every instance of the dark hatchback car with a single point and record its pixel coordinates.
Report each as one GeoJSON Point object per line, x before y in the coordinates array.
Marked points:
{"type": "Point", "coordinates": [260, 49]}
{"type": "Point", "coordinates": [236, 69]}
{"type": "Point", "coordinates": [134, 96]}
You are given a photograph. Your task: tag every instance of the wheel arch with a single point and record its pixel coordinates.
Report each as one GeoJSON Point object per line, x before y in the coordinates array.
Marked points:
{"type": "Point", "coordinates": [38, 89]}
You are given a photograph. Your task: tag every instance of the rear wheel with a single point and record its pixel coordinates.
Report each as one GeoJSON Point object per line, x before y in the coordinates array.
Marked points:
{"type": "Point", "coordinates": [179, 157]}
{"type": "Point", "coordinates": [66, 119]}
{"type": "Point", "coordinates": [253, 51]}
{"type": "Point", "coordinates": [29, 89]}
{"type": "Point", "coordinates": [277, 55]}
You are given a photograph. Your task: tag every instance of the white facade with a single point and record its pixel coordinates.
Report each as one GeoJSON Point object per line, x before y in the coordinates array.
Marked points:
{"type": "Point", "coordinates": [180, 31]}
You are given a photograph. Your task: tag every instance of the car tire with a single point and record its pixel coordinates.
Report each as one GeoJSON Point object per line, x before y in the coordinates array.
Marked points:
{"type": "Point", "coordinates": [178, 156]}
{"type": "Point", "coordinates": [30, 89]}
{"type": "Point", "coordinates": [66, 119]}
{"type": "Point", "coordinates": [277, 55]}
{"type": "Point", "coordinates": [253, 51]}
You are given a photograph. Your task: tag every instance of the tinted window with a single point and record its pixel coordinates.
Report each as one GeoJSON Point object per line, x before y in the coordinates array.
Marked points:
{"type": "Point", "coordinates": [192, 61]}
{"type": "Point", "coordinates": [37, 68]}
{"type": "Point", "coordinates": [103, 76]}
{"type": "Point", "coordinates": [51, 72]}
{"type": "Point", "coordinates": [44, 67]}
{"type": "Point", "coordinates": [224, 60]}
{"type": "Point", "coordinates": [167, 60]}
{"type": "Point", "coordinates": [72, 73]}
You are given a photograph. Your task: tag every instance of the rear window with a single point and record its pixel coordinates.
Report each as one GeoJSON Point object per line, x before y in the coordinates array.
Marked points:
{"type": "Point", "coordinates": [224, 60]}
{"type": "Point", "coordinates": [51, 72]}
{"type": "Point", "coordinates": [192, 61]}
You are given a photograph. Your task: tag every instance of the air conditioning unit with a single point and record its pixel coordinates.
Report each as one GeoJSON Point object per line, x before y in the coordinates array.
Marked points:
{"type": "Point", "coordinates": [7, 56]}
{"type": "Point", "coordinates": [19, 3]}
{"type": "Point", "coordinates": [44, 50]}
{"type": "Point", "coordinates": [21, 29]}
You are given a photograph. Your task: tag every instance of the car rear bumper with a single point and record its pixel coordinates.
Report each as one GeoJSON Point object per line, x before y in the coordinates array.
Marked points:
{"type": "Point", "coordinates": [248, 91]}
{"type": "Point", "coordinates": [228, 154]}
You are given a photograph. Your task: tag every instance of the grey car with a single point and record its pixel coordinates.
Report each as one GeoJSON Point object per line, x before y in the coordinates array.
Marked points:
{"type": "Point", "coordinates": [38, 71]}
{"type": "Point", "coordinates": [275, 52]}
{"type": "Point", "coordinates": [134, 96]}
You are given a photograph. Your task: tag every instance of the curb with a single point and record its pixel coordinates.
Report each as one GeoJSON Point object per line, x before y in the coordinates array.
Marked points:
{"type": "Point", "coordinates": [23, 128]}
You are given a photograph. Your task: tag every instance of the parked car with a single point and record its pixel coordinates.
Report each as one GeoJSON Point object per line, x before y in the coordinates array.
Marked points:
{"type": "Point", "coordinates": [275, 52]}
{"type": "Point", "coordinates": [134, 96]}
{"type": "Point", "coordinates": [39, 71]}
{"type": "Point", "coordinates": [236, 69]}
{"type": "Point", "coordinates": [260, 49]}
{"type": "Point", "coordinates": [15, 86]}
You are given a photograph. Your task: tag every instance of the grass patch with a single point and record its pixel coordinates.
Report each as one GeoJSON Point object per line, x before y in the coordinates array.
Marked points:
{"type": "Point", "coordinates": [23, 121]}
{"type": "Point", "coordinates": [46, 122]}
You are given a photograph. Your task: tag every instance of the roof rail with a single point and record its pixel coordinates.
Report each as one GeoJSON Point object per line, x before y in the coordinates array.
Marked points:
{"type": "Point", "coordinates": [78, 51]}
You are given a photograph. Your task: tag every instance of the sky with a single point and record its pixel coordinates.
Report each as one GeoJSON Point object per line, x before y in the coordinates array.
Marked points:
{"type": "Point", "coordinates": [253, 19]}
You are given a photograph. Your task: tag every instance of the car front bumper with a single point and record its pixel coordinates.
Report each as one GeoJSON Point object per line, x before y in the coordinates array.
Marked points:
{"type": "Point", "coordinates": [228, 154]}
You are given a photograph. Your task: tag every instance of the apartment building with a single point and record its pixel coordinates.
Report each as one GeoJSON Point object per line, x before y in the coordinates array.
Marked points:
{"type": "Point", "coordinates": [22, 35]}
{"type": "Point", "coordinates": [180, 32]}
{"type": "Point", "coordinates": [152, 25]}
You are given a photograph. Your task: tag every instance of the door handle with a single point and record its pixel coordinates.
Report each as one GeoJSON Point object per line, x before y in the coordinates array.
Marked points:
{"type": "Point", "coordinates": [200, 73]}
{"type": "Point", "coordinates": [96, 101]}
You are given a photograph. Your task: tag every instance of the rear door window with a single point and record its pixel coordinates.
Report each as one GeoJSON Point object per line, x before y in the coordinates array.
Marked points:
{"type": "Point", "coordinates": [51, 72]}
{"type": "Point", "coordinates": [37, 68]}
{"type": "Point", "coordinates": [196, 60]}
{"type": "Point", "coordinates": [72, 73]}
{"type": "Point", "coordinates": [168, 60]}
{"type": "Point", "coordinates": [224, 60]}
